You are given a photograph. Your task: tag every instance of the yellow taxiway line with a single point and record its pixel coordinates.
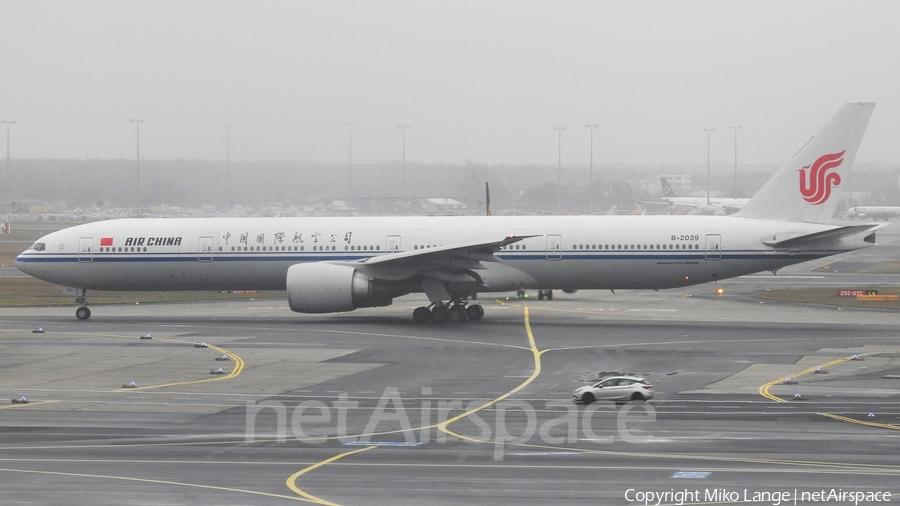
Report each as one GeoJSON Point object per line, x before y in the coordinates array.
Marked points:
{"type": "Point", "coordinates": [443, 426]}
{"type": "Point", "coordinates": [238, 368]}
{"type": "Point", "coordinates": [291, 481]}
{"type": "Point", "coordinates": [764, 391]}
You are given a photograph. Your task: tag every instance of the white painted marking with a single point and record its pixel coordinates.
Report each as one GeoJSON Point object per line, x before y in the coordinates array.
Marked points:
{"type": "Point", "coordinates": [691, 474]}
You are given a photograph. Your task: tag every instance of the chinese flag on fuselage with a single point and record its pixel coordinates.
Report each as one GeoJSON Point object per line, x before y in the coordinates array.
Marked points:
{"type": "Point", "coordinates": [106, 241]}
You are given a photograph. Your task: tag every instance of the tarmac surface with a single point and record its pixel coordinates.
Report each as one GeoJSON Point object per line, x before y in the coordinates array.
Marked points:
{"type": "Point", "coordinates": [370, 408]}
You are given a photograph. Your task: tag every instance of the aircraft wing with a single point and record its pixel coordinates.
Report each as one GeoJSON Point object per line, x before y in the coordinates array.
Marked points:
{"type": "Point", "coordinates": [433, 267]}
{"type": "Point", "coordinates": [454, 256]}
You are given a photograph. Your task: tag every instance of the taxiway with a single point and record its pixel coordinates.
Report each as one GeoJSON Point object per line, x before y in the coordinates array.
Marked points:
{"type": "Point", "coordinates": [370, 408]}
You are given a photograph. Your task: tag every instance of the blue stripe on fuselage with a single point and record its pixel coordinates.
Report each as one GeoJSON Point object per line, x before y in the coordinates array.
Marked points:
{"type": "Point", "coordinates": [340, 257]}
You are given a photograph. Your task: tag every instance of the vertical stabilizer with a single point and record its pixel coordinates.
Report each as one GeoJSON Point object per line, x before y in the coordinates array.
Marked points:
{"type": "Point", "coordinates": [807, 187]}
{"type": "Point", "coordinates": [667, 188]}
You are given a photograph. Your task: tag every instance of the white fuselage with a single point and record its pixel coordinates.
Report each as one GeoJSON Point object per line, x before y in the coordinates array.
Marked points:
{"type": "Point", "coordinates": [568, 252]}
{"type": "Point", "coordinates": [714, 204]}
{"type": "Point", "coordinates": [874, 212]}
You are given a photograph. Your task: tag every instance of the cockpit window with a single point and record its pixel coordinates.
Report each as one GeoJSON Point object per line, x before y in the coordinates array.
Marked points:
{"type": "Point", "coordinates": [38, 246]}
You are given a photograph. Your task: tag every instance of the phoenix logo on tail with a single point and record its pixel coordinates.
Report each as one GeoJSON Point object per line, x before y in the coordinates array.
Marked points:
{"type": "Point", "coordinates": [816, 187]}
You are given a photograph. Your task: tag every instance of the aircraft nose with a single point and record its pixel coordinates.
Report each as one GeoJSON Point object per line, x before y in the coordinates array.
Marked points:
{"type": "Point", "coordinates": [21, 264]}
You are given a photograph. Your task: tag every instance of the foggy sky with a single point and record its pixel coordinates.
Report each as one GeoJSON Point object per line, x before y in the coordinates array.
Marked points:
{"type": "Point", "coordinates": [480, 81]}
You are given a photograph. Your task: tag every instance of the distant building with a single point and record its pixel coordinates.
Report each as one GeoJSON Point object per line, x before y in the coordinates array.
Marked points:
{"type": "Point", "coordinates": [443, 206]}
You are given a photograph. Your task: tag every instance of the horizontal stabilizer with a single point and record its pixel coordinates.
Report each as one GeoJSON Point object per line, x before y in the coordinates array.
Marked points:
{"type": "Point", "coordinates": [793, 241]}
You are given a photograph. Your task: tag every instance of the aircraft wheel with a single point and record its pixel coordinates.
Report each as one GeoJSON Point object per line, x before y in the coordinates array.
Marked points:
{"type": "Point", "coordinates": [458, 313]}
{"type": "Point", "coordinates": [475, 312]}
{"type": "Point", "coordinates": [440, 314]}
{"type": "Point", "coordinates": [82, 313]}
{"type": "Point", "coordinates": [549, 294]}
{"type": "Point", "coordinates": [421, 315]}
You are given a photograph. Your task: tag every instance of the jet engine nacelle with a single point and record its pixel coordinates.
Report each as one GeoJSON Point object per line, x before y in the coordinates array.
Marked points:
{"type": "Point", "coordinates": [321, 287]}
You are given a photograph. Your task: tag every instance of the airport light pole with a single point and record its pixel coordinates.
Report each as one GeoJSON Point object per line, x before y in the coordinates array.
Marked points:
{"type": "Point", "coordinates": [708, 132]}
{"type": "Point", "coordinates": [559, 173]}
{"type": "Point", "coordinates": [350, 158]}
{"type": "Point", "coordinates": [591, 186]}
{"type": "Point", "coordinates": [8, 122]}
{"type": "Point", "coordinates": [137, 123]}
{"type": "Point", "coordinates": [228, 162]}
{"type": "Point", "coordinates": [403, 165]}
{"type": "Point", "coordinates": [735, 191]}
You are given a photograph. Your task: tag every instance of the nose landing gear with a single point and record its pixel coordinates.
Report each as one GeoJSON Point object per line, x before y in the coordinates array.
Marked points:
{"type": "Point", "coordinates": [82, 313]}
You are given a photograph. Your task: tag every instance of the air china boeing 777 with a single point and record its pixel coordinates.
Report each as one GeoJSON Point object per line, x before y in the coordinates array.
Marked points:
{"type": "Point", "coordinates": [333, 265]}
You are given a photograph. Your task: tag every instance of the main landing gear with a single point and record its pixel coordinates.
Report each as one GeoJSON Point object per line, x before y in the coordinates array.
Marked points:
{"type": "Point", "coordinates": [82, 313]}
{"type": "Point", "coordinates": [456, 311]}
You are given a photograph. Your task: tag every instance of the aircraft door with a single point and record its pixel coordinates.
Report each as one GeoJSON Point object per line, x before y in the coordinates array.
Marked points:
{"type": "Point", "coordinates": [392, 244]}
{"type": "Point", "coordinates": [205, 249]}
{"type": "Point", "coordinates": [713, 246]}
{"type": "Point", "coordinates": [85, 249]}
{"type": "Point", "coordinates": [554, 247]}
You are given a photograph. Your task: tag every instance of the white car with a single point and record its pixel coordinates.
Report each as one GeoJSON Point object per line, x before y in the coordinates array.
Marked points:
{"type": "Point", "coordinates": [615, 388]}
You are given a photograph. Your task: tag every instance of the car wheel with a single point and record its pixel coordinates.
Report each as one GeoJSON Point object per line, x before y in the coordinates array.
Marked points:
{"type": "Point", "coordinates": [587, 398]}
{"type": "Point", "coordinates": [637, 397]}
